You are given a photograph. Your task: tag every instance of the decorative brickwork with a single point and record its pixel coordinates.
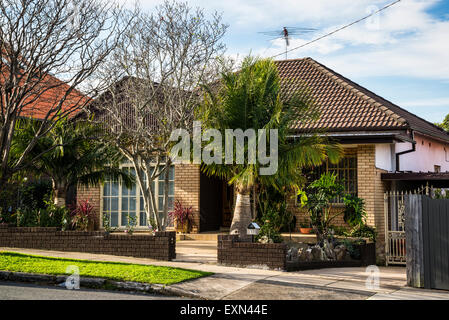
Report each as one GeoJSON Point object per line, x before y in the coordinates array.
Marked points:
{"type": "Point", "coordinates": [232, 252]}
{"type": "Point", "coordinates": [160, 246]}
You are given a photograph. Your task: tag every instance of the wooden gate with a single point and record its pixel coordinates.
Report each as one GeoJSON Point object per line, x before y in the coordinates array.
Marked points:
{"type": "Point", "coordinates": [427, 223]}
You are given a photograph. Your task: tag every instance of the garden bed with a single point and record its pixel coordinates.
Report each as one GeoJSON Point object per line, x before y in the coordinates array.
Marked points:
{"type": "Point", "coordinates": [279, 256]}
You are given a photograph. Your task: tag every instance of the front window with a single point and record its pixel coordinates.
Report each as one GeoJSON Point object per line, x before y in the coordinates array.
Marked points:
{"type": "Point", "coordinates": [346, 171]}
{"type": "Point", "coordinates": [122, 202]}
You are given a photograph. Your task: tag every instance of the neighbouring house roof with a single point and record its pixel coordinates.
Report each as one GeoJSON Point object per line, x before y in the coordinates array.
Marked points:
{"type": "Point", "coordinates": [345, 105]}
{"type": "Point", "coordinates": [46, 97]}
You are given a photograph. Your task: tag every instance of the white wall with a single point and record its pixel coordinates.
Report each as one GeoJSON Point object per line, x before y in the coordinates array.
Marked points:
{"type": "Point", "coordinates": [428, 154]}
{"type": "Point", "coordinates": [383, 157]}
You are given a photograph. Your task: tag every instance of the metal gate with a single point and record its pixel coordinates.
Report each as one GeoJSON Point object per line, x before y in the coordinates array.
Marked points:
{"type": "Point", "coordinates": [394, 228]}
{"type": "Point", "coordinates": [394, 209]}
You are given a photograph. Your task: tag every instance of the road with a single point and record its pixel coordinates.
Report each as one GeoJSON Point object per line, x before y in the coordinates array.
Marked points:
{"type": "Point", "coordinates": [26, 291]}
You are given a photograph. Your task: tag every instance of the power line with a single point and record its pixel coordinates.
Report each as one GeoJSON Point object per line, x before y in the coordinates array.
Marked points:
{"type": "Point", "coordinates": [337, 30]}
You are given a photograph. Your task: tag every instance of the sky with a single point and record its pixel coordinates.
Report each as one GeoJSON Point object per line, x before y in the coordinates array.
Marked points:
{"type": "Point", "coordinates": [401, 54]}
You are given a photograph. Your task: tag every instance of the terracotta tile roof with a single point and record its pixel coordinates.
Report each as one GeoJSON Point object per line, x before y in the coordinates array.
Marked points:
{"type": "Point", "coordinates": [345, 105]}
{"type": "Point", "coordinates": [50, 98]}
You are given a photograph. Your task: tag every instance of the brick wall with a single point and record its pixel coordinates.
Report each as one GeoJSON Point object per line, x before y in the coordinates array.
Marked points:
{"type": "Point", "coordinates": [93, 195]}
{"type": "Point", "coordinates": [161, 246]}
{"type": "Point", "coordinates": [232, 252]}
{"type": "Point", "coordinates": [187, 190]}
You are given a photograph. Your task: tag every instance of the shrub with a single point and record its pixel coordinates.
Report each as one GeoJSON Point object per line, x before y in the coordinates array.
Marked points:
{"type": "Point", "coordinates": [318, 198]}
{"type": "Point", "coordinates": [270, 226]}
{"type": "Point", "coordinates": [82, 215]}
{"type": "Point", "coordinates": [354, 212]}
{"type": "Point", "coordinates": [181, 215]}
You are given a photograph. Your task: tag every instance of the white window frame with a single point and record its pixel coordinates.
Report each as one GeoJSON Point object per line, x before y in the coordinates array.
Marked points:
{"type": "Point", "coordinates": [137, 196]}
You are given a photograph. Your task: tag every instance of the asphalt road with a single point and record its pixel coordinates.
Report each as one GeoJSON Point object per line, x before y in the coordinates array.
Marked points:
{"type": "Point", "coordinates": [26, 291]}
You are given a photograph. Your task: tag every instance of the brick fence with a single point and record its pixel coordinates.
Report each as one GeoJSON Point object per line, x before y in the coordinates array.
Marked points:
{"type": "Point", "coordinates": [160, 246]}
{"type": "Point", "coordinates": [232, 252]}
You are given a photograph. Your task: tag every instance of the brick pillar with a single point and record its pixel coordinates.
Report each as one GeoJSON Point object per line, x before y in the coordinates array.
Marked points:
{"type": "Point", "coordinates": [187, 190]}
{"type": "Point", "coordinates": [371, 189]}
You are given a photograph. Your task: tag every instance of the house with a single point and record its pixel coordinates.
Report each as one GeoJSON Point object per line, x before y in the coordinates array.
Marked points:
{"type": "Point", "coordinates": [379, 138]}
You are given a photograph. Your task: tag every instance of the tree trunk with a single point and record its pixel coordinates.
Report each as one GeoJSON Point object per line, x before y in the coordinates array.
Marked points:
{"type": "Point", "coordinates": [60, 193]}
{"type": "Point", "coordinates": [166, 189]}
{"type": "Point", "coordinates": [242, 214]}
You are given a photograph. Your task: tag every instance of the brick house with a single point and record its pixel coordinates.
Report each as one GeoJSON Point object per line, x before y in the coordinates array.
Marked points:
{"type": "Point", "coordinates": [378, 137]}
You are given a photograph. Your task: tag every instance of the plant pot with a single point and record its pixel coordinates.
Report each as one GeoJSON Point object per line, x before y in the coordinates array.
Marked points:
{"type": "Point", "coordinates": [182, 228]}
{"type": "Point", "coordinates": [305, 230]}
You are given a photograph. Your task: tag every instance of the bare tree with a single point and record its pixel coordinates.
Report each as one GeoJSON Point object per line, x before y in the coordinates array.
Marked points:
{"type": "Point", "coordinates": [161, 62]}
{"type": "Point", "coordinates": [39, 41]}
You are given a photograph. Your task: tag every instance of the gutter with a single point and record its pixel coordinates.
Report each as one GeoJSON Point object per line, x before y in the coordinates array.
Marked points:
{"type": "Point", "coordinates": [413, 149]}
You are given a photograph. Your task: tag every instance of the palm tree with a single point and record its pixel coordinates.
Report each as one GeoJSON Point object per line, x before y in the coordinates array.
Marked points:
{"type": "Point", "coordinates": [252, 98]}
{"type": "Point", "coordinates": [76, 156]}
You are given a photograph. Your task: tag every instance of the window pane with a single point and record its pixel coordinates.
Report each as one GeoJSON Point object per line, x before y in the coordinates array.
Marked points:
{"type": "Point", "coordinates": [107, 189]}
{"type": "Point", "coordinates": [132, 204]}
{"type": "Point", "coordinates": [160, 204]}
{"type": "Point", "coordinates": [114, 204]}
{"type": "Point", "coordinates": [106, 204]}
{"type": "Point", "coordinates": [143, 219]}
{"type": "Point", "coordinates": [171, 188]}
{"type": "Point", "coordinates": [172, 173]}
{"type": "Point", "coordinates": [124, 219]}
{"type": "Point", "coordinates": [124, 204]}
{"type": "Point", "coordinates": [161, 188]}
{"type": "Point", "coordinates": [114, 219]}
{"type": "Point", "coordinates": [114, 189]}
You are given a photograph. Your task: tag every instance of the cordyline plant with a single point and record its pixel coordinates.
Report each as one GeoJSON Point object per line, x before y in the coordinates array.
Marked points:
{"type": "Point", "coordinates": [181, 214]}
{"type": "Point", "coordinates": [82, 214]}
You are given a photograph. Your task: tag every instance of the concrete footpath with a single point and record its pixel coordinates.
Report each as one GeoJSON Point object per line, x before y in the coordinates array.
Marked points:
{"type": "Point", "coordinates": [246, 283]}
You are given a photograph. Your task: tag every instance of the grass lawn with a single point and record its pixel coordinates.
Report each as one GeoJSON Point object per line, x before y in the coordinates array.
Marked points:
{"type": "Point", "coordinates": [18, 262]}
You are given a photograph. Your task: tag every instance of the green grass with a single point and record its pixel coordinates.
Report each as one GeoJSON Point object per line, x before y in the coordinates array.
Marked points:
{"type": "Point", "coordinates": [18, 262]}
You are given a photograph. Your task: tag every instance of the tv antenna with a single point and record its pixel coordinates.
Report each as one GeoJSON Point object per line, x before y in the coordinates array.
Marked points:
{"type": "Point", "coordinates": [285, 34]}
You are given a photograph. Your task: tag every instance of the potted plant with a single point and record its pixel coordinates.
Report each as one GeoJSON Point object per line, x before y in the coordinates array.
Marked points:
{"type": "Point", "coordinates": [182, 217]}
{"type": "Point", "coordinates": [305, 227]}
{"type": "Point", "coordinates": [131, 225]}
{"type": "Point", "coordinates": [107, 223]}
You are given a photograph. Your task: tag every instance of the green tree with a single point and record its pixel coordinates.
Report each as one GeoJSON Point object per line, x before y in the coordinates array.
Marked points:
{"type": "Point", "coordinates": [75, 156]}
{"type": "Point", "coordinates": [252, 99]}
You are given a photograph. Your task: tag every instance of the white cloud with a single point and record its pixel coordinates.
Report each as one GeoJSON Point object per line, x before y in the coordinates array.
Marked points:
{"type": "Point", "coordinates": [407, 42]}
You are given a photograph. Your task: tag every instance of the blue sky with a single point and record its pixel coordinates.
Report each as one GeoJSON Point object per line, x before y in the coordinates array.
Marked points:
{"type": "Point", "coordinates": [402, 54]}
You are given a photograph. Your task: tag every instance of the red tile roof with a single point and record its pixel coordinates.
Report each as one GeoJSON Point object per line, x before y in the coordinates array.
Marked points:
{"type": "Point", "coordinates": [48, 95]}
{"type": "Point", "coordinates": [345, 105]}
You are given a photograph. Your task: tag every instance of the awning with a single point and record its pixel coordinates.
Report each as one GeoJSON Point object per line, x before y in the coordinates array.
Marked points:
{"type": "Point", "coordinates": [415, 176]}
